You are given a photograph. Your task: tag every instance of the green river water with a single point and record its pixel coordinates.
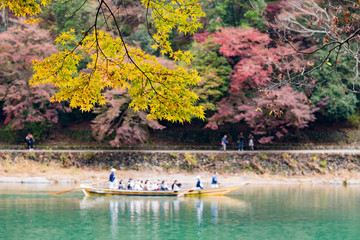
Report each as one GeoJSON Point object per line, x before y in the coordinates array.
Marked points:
{"type": "Point", "coordinates": [254, 212]}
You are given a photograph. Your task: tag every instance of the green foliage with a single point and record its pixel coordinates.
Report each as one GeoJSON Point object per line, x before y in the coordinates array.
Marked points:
{"type": "Point", "coordinates": [88, 155]}
{"type": "Point", "coordinates": [190, 158]}
{"type": "Point", "coordinates": [63, 157]}
{"type": "Point", "coordinates": [331, 87]}
{"type": "Point", "coordinates": [323, 164]}
{"type": "Point", "coordinates": [136, 167]}
{"type": "Point", "coordinates": [249, 168]}
{"type": "Point", "coordinates": [40, 131]}
{"type": "Point", "coordinates": [66, 18]}
{"type": "Point", "coordinates": [167, 166]}
{"type": "Point", "coordinates": [354, 120]}
{"type": "Point", "coordinates": [142, 39]}
{"type": "Point", "coordinates": [214, 70]}
{"type": "Point", "coordinates": [79, 135]}
{"type": "Point", "coordinates": [64, 160]}
{"type": "Point", "coordinates": [340, 104]}
{"type": "Point", "coordinates": [226, 13]}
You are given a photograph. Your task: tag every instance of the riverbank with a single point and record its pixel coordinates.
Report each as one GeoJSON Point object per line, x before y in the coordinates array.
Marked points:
{"type": "Point", "coordinates": [32, 173]}
{"type": "Point", "coordinates": [76, 167]}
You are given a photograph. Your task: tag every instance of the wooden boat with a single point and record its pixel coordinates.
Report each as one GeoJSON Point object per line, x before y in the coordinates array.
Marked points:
{"type": "Point", "coordinates": [214, 191]}
{"type": "Point", "coordinates": [91, 191]}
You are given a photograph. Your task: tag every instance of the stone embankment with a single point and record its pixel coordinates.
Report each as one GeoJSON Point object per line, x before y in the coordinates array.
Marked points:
{"type": "Point", "coordinates": [288, 163]}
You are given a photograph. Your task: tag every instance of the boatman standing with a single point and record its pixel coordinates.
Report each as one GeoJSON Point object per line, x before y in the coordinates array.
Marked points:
{"type": "Point", "coordinates": [112, 179]}
{"type": "Point", "coordinates": [199, 184]}
{"type": "Point", "coordinates": [214, 181]}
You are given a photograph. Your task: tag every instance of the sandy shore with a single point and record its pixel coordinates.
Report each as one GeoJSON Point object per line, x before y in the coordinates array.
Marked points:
{"type": "Point", "coordinates": [31, 172]}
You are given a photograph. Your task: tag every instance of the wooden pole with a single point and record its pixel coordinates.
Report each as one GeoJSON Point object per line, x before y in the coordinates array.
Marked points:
{"type": "Point", "coordinates": [71, 189]}
{"type": "Point", "coordinates": [183, 193]}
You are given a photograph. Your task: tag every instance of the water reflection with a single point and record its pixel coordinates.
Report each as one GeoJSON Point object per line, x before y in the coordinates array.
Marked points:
{"type": "Point", "coordinates": [138, 210]}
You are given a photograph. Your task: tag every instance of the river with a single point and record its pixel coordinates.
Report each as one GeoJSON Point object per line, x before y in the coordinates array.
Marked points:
{"type": "Point", "coordinates": [253, 212]}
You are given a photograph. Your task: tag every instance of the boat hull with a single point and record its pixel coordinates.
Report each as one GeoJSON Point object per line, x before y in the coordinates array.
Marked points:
{"type": "Point", "coordinates": [214, 191]}
{"type": "Point", "coordinates": [108, 192]}
{"type": "Point", "coordinates": [89, 191]}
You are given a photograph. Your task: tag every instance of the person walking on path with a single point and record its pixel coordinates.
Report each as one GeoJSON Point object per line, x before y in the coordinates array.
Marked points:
{"type": "Point", "coordinates": [224, 142]}
{"type": "Point", "coordinates": [251, 142]}
{"type": "Point", "coordinates": [241, 142]}
{"type": "Point", "coordinates": [30, 141]}
{"type": "Point", "coordinates": [112, 179]}
{"type": "Point", "coordinates": [214, 181]}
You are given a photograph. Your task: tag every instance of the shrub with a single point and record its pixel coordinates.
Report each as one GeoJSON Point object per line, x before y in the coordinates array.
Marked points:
{"type": "Point", "coordinates": [323, 163]}
{"type": "Point", "coordinates": [354, 120]}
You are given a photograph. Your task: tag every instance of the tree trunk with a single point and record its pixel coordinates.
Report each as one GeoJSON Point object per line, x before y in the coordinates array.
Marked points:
{"type": "Point", "coordinates": [3, 25]}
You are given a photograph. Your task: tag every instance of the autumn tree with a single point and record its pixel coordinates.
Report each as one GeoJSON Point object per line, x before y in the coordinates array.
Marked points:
{"type": "Point", "coordinates": [119, 123]}
{"type": "Point", "coordinates": [255, 57]}
{"type": "Point", "coordinates": [163, 93]}
{"type": "Point", "coordinates": [258, 61]}
{"type": "Point", "coordinates": [269, 116]}
{"type": "Point", "coordinates": [22, 103]}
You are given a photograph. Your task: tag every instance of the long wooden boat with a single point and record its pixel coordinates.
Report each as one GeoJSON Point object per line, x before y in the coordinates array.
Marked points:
{"type": "Point", "coordinates": [91, 191]}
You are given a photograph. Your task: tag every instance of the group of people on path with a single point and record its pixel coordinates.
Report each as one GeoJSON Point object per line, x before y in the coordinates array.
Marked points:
{"type": "Point", "coordinates": [139, 185]}
{"type": "Point", "coordinates": [241, 138]}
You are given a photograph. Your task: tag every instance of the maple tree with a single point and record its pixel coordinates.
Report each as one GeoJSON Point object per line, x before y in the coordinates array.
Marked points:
{"type": "Point", "coordinates": [163, 93]}
{"type": "Point", "coordinates": [117, 121]}
{"type": "Point", "coordinates": [270, 115]}
{"type": "Point", "coordinates": [255, 58]}
{"type": "Point", "coordinates": [23, 103]}
{"type": "Point", "coordinates": [258, 62]}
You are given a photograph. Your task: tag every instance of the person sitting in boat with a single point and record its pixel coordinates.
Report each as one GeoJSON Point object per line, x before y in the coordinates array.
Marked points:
{"type": "Point", "coordinates": [176, 186]}
{"type": "Point", "coordinates": [164, 186]}
{"type": "Point", "coordinates": [112, 179]}
{"type": "Point", "coordinates": [137, 186]}
{"type": "Point", "coordinates": [199, 184]}
{"type": "Point", "coordinates": [155, 187]}
{"type": "Point", "coordinates": [147, 186]}
{"type": "Point", "coordinates": [214, 181]}
{"type": "Point", "coordinates": [121, 185]}
{"type": "Point", "coordinates": [131, 184]}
